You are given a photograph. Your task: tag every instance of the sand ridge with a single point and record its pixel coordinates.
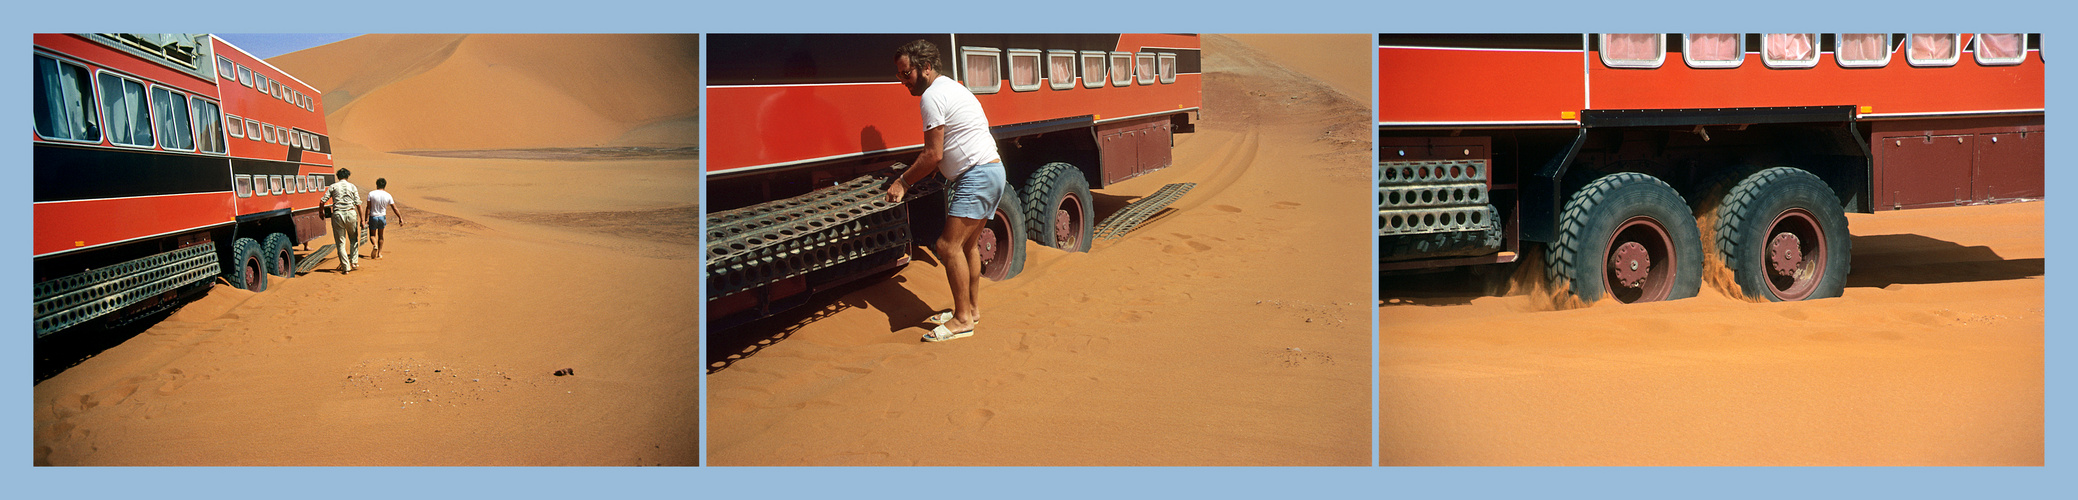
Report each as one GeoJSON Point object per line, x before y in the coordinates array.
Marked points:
{"type": "Point", "coordinates": [1222, 332]}
{"type": "Point", "coordinates": [506, 90]}
{"type": "Point", "coordinates": [1933, 356]}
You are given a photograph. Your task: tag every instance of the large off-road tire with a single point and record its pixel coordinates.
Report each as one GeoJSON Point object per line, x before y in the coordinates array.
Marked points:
{"type": "Point", "coordinates": [246, 269]}
{"type": "Point", "coordinates": [280, 255]}
{"type": "Point", "coordinates": [1057, 207]}
{"type": "Point", "coordinates": [1630, 237]}
{"type": "Point", "coordinates": [1003, 240]}
{"type": "Point", "coordinates": [1784, 234]}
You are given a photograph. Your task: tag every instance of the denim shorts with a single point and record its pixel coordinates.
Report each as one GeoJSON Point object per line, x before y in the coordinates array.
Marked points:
{"type": "Point", "coordinates": [376, 222]}
{"type": "Point", "coordinates": [975, 194]}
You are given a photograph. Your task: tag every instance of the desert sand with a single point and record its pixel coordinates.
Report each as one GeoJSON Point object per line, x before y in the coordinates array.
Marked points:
{"type": "Point", "coordinates": [1231, 330]}
{"type": "Point", "coordinates": [505, 271]}
{"type": "Point", "coordinates": [1932, 356]}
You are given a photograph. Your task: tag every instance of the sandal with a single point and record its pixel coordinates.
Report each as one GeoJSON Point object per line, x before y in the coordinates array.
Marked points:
{"type": "Point", "coordinates": [944, 316]}
{"type": "Point", "coordinates": [941, 334]}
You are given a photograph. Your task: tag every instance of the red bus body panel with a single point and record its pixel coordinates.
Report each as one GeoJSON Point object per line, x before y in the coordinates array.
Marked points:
{"type": "Point", "coordinates": [85, 221]}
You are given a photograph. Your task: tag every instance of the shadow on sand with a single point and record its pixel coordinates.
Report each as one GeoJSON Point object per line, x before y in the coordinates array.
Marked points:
{"type": "Point", "coordinates": [885, 291]}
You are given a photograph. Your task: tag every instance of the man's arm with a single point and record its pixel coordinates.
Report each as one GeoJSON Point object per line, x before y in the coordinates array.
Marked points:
{"type": "Point", "coordinates": [926, 162]}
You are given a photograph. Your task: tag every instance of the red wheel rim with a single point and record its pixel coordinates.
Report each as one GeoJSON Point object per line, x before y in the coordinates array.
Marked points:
{"type": "Point", "coordinates": [1794, 255]}
{"type": "Point", "coordinates": [1638, 265]}
{"type": "Point", "coordinates": [1067, 224]}
{"type": "Point", "coordinates": [995, 245]}
{"type": "Point", "coordinates": [281, 261]}
{"type": "Point", "coordinates": [255, 275]}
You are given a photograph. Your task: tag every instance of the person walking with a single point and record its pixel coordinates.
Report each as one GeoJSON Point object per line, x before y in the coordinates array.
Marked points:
{"type": "Point", "coordinates": [379, 203]}
{"type": "Point", "coordinates": [958, 146]}
{"type": "Point", "coordinates": [344, 199]}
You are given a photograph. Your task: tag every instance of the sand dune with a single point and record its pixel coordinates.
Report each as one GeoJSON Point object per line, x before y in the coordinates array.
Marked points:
{"type": "Point", "coordinates": [408, 92]}
{"type": "Point", "coordinates": [1933, 356]}
{"type": "Point", "coordinates": [505, 271]}
{"type": "Point", "coordinates": [1229, 331]}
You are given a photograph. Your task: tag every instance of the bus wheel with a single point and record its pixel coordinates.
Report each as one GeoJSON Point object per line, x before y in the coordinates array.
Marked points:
{"type": "Point", "coordinates": [1628, 236]}
{"type": "Point", "coordinates": [1784, 234]}
{"type": "Point", "coordinates": [246, 269]}
{"type": "Point", "coordinates": [1003, 241]}
{"type": "Point", "coordinates": [1057, 207]}
{"type": "Point", "coordinates": [280, 255]}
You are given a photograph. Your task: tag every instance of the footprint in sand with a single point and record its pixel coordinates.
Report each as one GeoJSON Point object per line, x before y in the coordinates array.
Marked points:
{"type": "Point", "coordinates": [1794, 313]}
{"type": "Point", "coordinates": [1227, 208]}
{"type": "Point", "coordinates": [1284, 205]}
{"type": "Point", "coordinates": [1188, 247]}
{"type": "Point", "coordinates": [1131, 316]}
{"type": "Point", "coordinates": [174, 380]}
{"type": "Point", "coordinates": [972, 420]}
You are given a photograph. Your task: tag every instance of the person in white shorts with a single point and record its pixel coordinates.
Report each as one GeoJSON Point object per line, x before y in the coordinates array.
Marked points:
{"type": "Point", "coordinates": [379, 203]}
{"type": "Point", "coordinates": [957, 143]}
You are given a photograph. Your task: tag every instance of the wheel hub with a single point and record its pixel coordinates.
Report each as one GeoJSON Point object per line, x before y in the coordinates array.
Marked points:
{"type": "Point", "coordinates": [1632, 264]}
{"type": "Point", "coordinates": [987, 245]}
{"type": "Point", "coordinates": [1064, 231]}
{"type": "Point", "coordinates": [1785, 253]}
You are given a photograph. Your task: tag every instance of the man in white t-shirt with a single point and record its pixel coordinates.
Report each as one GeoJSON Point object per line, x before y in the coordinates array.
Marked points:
{"type": "Point", "coordinates": [958, 146]}
{"type": "Point", "coordinates": [379, 203]}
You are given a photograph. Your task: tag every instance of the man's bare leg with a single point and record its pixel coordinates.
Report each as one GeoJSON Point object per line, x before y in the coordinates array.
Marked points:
{"type": "Point", "coordinates": [973, 249]}
{"type": "Point", "coordinates": [377, 252]}
{"type": "Point", "coordinates": [961, 268]}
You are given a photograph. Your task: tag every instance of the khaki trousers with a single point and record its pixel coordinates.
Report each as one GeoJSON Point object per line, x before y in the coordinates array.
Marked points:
{"type": "Point", "coordinates": [346, 234]}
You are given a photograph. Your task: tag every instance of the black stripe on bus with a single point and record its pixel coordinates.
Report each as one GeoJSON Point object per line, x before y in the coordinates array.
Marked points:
{"type": "Point", "coordinates": [1519, 41]}
{"type": "Point", "coordinates": [869, 58]}
{"type": "Point", "coordinates": [819, 58]}
{"type": "Point", "coordinates": [83, 173]}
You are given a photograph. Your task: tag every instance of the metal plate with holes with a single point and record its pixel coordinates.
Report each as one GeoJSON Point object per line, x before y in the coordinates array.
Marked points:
{"type": "Point", "coordinates": [762, 244]}
{"type": "Point", "coordinates": [64, 302]}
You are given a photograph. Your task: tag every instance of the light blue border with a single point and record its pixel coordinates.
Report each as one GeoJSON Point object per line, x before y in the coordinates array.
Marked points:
{"type": "Point", "coordinates": [1212, 16]}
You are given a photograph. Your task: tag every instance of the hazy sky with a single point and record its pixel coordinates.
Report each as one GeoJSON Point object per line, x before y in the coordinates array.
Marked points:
{"type": "Point", "coordinates": [266, 45]}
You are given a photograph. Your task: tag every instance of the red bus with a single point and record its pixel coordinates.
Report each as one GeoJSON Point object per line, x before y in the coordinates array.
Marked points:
{"type": "Point", "coordinates": [1606, 149]}
{"type": "Point", "coordinates": [162, 161]}
{"type": "Point", "coordinates": [800, 122]}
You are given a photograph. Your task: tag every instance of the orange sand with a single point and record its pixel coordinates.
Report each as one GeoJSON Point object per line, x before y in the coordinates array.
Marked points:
{"type": "Point", "coordinates": [1933, 356]}
{"type": "Point", "coordinates": [1226, 332]}
{"type": "Point", "coordinates": [442, 352]}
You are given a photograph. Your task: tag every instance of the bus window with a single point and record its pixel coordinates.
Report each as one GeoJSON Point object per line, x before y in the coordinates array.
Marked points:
{"type": "Point", "coordinates": [1024, 69]}
{"type": "Point", "coordinates": [1862, 50]}
{"type": "Point", "coordinates": [129, 118]}
{"type": "Point", "coordinates": [1634, 50]}
{"type": "Point", "coordinates": [982, 69]}
{"type": "Point", "coordinates": [62, 112]}
{"type": "Point", "coordinates": [1999, 49]}
{"type": "Point", "coordinates": [1932, 49]}
{"type": "Point", "coordinates": [1713, 50]}
{"type": "Point", "coordinates": [1092, 69]}
{"type": "Point", "coordinates": [1060, 69]}
{"type": "Point", "coordinates": [1789, 50]}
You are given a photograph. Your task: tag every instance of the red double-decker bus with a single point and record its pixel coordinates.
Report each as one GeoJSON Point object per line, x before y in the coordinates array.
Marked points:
{"type": "Point", "coordinates": [162, 161]}
{"type": "Point", "coordinates": [1607, 149]}
{"type": "Point", "coordinates": [791, 115]}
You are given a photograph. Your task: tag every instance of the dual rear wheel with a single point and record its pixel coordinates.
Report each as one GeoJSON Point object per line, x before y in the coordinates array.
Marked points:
{"type": "Point", "coordinates": [1631, 237]}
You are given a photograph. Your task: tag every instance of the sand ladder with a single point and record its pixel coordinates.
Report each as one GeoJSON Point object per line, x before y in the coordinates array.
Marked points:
{"type": "Point", "coordinates": [1123, 221]}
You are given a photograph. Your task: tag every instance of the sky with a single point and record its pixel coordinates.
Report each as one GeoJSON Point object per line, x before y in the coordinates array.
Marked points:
{"type": "Point", "coordinates": [268, 45]}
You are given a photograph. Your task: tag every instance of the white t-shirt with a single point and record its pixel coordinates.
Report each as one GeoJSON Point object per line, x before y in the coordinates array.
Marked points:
{"type": "Point", "coordinates": [379, 202]}
{"type": "Point", "coordinates": [967, 141]}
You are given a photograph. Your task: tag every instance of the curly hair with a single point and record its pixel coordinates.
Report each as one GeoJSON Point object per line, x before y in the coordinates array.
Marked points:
{"type": "Point", "coordinates": [922, 54]}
